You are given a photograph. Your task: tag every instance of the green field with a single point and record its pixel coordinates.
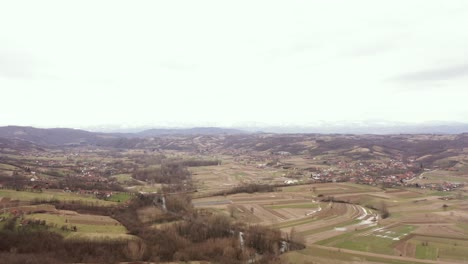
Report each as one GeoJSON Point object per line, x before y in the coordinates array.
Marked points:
{"type": "Point", "coordinates": [120, 197]}
{"type": "Point", "coordinates": [85, 224]}
{"type": "Point", "coordinates": [371, 242]}
{"type": "Point", "coordinates": [438, 176]}
{"type": "Point", "coordinates": [53, 195]}
{"type": "Point", "coordinates": [342, 237]}
{"type": "Point", "coordinates": [320, 255]}
{"type": "Point", "coordinates": [443, 248]}
{"type": "Point", "coordinates": [426, 252]}
{"type": "Point", "coordinates": [122, 178]}
{"type": "Point", "coordinates": [7, 167]}
{"type": "Point", "coordinates": [329, 227]}
{"type": "Point", "coordinates": [239, 175]}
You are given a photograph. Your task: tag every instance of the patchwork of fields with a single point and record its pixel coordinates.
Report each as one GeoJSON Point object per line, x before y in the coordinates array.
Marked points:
{"type": "Point", "coordinates": [347, 198]}
{"type": "Point", "coordinates": [422, 227]}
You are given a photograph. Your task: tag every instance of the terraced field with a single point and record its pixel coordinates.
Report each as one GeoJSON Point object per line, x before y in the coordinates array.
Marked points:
{"type": "Point", "coordinates": [210, 179]}
{"type": "Point", "coordinates": [87, 226]}
{"type": "Point", "coordinates": [421, 229]}
{"type": "Point", "coordinates": [292, 209]}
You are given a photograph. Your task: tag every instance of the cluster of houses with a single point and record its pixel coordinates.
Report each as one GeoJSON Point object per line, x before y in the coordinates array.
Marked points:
{"type": "Point", "coordinates": [389, 173]}
{"type": "Point", "coordinates": [100, 194]}
{"type": "Point", "coordinates": [35, 175]}
{"type": "Point", "coordinates": [443, 187]}
{"type": "Point", "coordinates": [388, 180]}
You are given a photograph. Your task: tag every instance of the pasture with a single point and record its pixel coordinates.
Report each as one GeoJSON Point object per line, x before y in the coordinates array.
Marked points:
{"type": "Point", "coordinates": [87, 226]}
{"type": "Point", "coordinates": [50, 195]}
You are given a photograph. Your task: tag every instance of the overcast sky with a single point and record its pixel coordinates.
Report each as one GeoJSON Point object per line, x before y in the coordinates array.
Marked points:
{"type": "Point", "coordinates": [88, 63]}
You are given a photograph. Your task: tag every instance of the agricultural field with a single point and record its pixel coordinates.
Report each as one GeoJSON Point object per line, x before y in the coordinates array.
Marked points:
{"type": "Point", "coordinates": [343, 198]}
{"type": "Point", "coordinates": [420, 227]}
{"type": "Point", "coordinates": [353, 220]}
{"type": "Point", "coordinates": [439, 176]}
{"type": "Point", "coordinates": [53, 195]}
{"type": "Point", "coordinates": [212, 179]}
{"type": "Point", "coordinates": [82, 226]}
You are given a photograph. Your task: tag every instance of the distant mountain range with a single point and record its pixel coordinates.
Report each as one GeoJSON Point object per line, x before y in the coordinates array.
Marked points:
{"type": "Point", "coordinates": [379, 129]}
{"type": "Point", "coordinates": [321, 127]}
{"type": "Point", "coordinates": [64, 136]}
{"type": "Point", "coordinates": [189, 131]}
{"type": "Point", "coordinates": [49, 136]}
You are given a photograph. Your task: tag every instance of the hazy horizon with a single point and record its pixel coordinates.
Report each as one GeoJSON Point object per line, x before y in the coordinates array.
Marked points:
{"type": "Point", "coordinates": [357, 128]}
{"type": "Point", "coordinates": [211, 63]}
